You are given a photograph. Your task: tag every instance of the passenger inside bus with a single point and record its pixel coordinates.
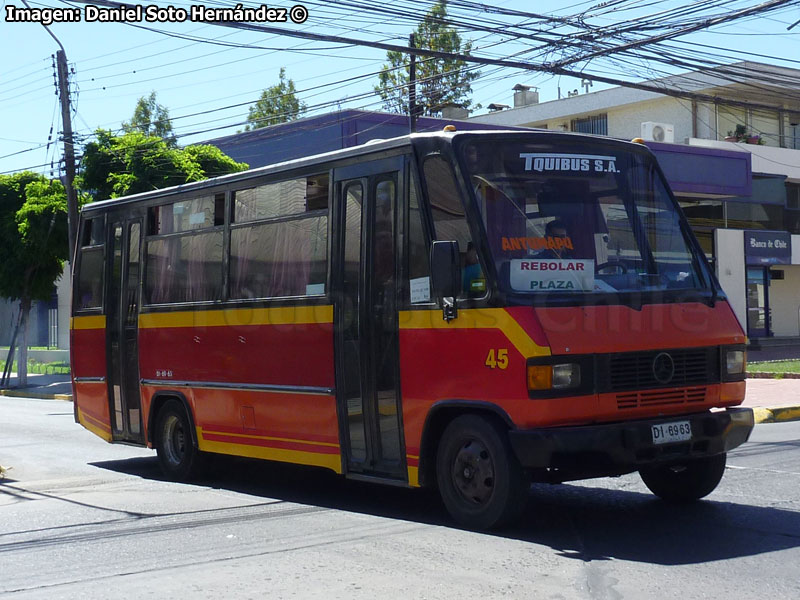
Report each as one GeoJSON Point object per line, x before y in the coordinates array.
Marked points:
{"type": "Point", "coordinates": [473, 283]}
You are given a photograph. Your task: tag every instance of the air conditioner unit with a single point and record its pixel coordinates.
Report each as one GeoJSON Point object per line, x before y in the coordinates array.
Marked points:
{"type": "Point", "coordinates": [658, 132]}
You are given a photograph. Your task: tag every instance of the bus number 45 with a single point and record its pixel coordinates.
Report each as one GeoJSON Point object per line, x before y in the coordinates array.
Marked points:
{"type": "Point", "coordinates": [497, 359]}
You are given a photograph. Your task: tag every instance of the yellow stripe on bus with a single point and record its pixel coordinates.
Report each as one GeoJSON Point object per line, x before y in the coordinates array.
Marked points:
{"type": "Point", "coordinates": [476, 318]}
{"type": "Point", "coordinates": [93, 322]}
{"type": "Point", "coordinates": [329, 461]}
{"type": "Point", "coordinates": [250, 436]}
{"type": "Point", "coordinates": [89, 424]}
{"type": "Point", "coordinates": [413, 476]}
{"type": "Point", "coordinates": [233, 317]}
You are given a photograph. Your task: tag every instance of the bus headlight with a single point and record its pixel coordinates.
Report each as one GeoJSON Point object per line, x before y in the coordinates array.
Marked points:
{"type": "Point", "coordinates": [735, 362]}
{"type": "Point", "coordinates": [554, 377]}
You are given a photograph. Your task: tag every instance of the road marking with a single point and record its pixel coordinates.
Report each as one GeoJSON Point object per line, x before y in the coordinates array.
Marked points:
{"type": "Point", "coordinates": [763, 470]}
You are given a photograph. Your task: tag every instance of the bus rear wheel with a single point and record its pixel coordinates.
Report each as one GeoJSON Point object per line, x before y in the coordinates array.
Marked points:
{"type": "Point", "coordinates": [685, 481]}
{"type": "Point", "coordinates": [180, 460]}
{"type": "Point", "coordinates": [480, 480]}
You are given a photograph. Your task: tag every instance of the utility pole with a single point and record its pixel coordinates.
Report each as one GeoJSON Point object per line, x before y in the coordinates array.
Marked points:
{"type": "Point", "coordinates": [69, 151]}
{"type": "Point", "coordinates": [412, 87]}
{"type": "Point", "coordinates": [69, 144]}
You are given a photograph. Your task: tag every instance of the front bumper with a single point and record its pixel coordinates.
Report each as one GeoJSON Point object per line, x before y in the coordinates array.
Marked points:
{"type": "Point", "coordinates": [615, 448]}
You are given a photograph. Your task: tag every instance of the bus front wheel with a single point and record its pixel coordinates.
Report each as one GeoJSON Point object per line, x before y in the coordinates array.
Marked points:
{"type": "Point", "coordinates": [686, 481]}
{"type": "Point", "coordinates": [180, 460]}
{"type": "Point", "coordinates": [480, 480]}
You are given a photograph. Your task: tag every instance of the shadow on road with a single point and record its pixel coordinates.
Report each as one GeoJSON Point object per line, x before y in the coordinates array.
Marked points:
{"type": "Point", "coordinates": [579, 521]}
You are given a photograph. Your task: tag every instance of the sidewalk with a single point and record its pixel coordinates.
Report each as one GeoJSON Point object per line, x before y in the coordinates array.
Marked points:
{"type": "Point", "coordinates": [772, 400]}
{"type": "Point", "coordinates": [54, 387]}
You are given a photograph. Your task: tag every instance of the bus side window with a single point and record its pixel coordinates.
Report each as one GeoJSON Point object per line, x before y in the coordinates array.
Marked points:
{"type": "Point", "coordinates": [89, 283]}
{"type": "Point", "coordinates": [279, 239]}
{"type": "Point", "coordinates": [184, 251]}
{"type": "Point", "coordinates": [450, 222]}
{"type": "Point", "coordinates": [419, 268]}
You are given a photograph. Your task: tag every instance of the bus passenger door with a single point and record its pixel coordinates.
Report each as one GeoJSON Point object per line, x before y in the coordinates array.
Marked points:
{"type": "Point", "coordinates": [122, 336]}
{"type": "Point", "coordinates": [366, 319]}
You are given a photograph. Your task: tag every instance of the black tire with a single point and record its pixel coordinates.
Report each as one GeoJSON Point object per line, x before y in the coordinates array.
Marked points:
{"type": "Point", "coordinates": [685, 481]}
{"type": "Point", "coordinates": [480, 480]}
{"type": "Point", "coordinates": [180, 460]}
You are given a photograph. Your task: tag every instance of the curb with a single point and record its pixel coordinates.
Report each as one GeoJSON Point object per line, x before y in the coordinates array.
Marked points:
{"type": "Point", "coordinates": [775, 375]}
{"type": "Point", "coordinates": [780, 414]}
{"type": "Point", "coordinates": [35, 395]}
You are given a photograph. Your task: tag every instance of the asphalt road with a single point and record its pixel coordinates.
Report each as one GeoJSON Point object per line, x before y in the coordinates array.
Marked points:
{"type": "Point", "coordinates": [83, 519]}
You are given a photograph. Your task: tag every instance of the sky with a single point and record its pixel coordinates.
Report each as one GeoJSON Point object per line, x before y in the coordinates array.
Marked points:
{"type": "Point", "coordinates": [206, 78]}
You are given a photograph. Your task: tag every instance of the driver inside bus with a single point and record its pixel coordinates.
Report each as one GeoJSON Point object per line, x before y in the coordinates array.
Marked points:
{"type": "Point", "coordinates": [559, 244]}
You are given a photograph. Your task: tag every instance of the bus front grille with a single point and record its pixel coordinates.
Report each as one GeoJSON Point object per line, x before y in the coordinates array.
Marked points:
{"type": "Point", "coordinates": [670, 397]}
{"type": "Point", "coordinates": [644, 370]}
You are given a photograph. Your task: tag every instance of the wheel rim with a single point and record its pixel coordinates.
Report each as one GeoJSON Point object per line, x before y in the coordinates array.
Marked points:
{"type": "Point", "coordinates": [174, 440]}
{"type": "Point", "coordinates": [473, 472]}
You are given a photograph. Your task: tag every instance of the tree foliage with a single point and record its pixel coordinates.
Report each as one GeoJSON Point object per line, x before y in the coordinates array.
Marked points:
{"type": "Point", "coordinates": [440, 81]}
{"type": "Point", "coordinates": [33, 243]}
{"type": "Point", "coordinates": [118, 165]}
{"type": "Point", "coordinates": [277, 104]}
{"type": "Point", "coordinates": [151, 119]}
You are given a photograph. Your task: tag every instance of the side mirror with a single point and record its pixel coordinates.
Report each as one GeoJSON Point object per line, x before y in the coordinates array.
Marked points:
{"type": "Point", "coordinates": [446, 276]}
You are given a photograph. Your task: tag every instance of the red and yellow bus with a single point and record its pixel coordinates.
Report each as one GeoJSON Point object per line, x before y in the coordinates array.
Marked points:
{"type": "Point", "coordinates": [470, 311]}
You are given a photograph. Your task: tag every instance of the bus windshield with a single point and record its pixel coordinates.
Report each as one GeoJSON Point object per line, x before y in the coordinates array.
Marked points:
{"type": "Point", "coordinates": [562, 217]}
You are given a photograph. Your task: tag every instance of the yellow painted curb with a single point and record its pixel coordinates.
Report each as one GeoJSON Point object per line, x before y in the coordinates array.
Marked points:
{"type": "Point", "coordinates": [762, 415]}
{"type": "Point", "coordinates": [779, 414]}
{"type": "Point", "coordinates": [23, 394]}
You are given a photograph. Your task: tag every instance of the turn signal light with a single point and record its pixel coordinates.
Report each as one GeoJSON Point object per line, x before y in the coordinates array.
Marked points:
{"type": "Point", "coordinates": [540, 377]}
{"type": "Point", "coordinates": [554, 377]}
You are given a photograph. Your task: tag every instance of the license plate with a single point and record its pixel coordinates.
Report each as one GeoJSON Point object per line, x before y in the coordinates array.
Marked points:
{"type": "Point", "coordinates": [667, 433]}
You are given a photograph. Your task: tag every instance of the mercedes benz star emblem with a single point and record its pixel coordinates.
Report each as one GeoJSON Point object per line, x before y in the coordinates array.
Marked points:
{"type": "Point", "coordinates": [663, 368]}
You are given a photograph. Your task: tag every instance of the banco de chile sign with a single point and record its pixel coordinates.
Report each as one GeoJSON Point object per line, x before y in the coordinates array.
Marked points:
{"type": "Point", "coordinates": [767, 247]}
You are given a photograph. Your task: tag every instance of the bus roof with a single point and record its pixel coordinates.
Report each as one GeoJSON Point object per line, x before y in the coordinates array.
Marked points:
{"type": "Point", "coordinates": [370, 147]}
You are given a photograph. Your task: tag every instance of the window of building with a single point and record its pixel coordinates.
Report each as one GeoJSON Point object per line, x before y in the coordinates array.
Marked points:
{"type": "Point", "coordinates": [793, 132]}
{"type": "Point", "coordinates": [596, 124]}
{"type": "Point", "coordinates": [751, 215]}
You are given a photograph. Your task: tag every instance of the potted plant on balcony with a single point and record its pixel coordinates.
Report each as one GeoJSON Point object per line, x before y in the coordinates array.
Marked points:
{"type": "Point", "coordinates": [739, 135]}
{"type": "Point", "coordinates": [742, 136]}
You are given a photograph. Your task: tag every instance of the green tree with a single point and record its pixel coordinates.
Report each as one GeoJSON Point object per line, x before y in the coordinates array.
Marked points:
{"type": "Point", "coordinates": [118, 165]}
{"type": "Point", "coordinates": [277, 104]}
{"type": "Point", "coordinates": [33, 245]}
{"type": "Point", "coordinates": [440, 81]}
{"type": "Point", "coordinates": [151, 118]}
